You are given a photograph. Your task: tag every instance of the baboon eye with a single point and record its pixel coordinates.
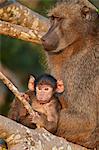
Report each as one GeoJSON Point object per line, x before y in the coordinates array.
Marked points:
{"type": "Point", "coordinates": [55, 20]}
{"type": "Point", "coordinates": [46, 89]}
{"type": "Point", "coordinates": [52, 17]}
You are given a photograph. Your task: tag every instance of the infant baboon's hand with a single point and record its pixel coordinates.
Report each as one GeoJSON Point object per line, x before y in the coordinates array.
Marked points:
{"type": "Point", "coordinates": [34, 118]}
{"type": "Point", "coordinates": [25, 96]}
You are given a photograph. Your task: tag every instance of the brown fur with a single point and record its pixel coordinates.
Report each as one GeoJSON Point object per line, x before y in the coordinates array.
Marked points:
{"type": "Point", "coordinates": [72, 44]}
{"type": "Point", "coordinates": [46, 114]}
{"type": "Point", "coordinates": [18, 112]}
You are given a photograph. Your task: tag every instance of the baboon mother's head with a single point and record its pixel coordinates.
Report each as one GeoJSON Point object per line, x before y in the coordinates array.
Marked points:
{"type": "Point", "coordinates": [70, 21]}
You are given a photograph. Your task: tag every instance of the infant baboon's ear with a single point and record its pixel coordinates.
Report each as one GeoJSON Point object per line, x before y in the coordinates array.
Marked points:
{"type": "Point", "coordinates": [60, 86]}
{"type": "Point", "coordinates": [31, 83]}
{"type": "Point", "coordinates": [89, 13]}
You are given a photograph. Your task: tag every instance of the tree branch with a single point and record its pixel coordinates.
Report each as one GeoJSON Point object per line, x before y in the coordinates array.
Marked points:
{"type": "Point", "coordinates": [16, 93]}
{"type": "Point", "coordinates": [95, 3]}
{"type": "Point", "coordinates": [20, 137]}
{"type": "Point", "coordinates": [21, 15]}
{"type": "Point", "coordinates": [22, 23]}
{"type": "Point", "coordinates": [20, 32]}
{"type": "Point", "coordinates": [14, 77]}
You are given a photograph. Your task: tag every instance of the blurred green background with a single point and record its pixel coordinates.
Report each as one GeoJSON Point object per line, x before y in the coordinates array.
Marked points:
{"type": "Point", "coordinates": [20, 59]}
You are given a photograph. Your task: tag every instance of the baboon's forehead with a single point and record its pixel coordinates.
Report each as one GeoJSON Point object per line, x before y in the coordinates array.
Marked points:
{"type": "Point", "coordinates": [64, 9]}
{"type": "Point", "coordinates": [69, 7]}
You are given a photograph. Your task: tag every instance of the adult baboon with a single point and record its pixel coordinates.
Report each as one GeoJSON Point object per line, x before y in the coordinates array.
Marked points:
{"type": "Point", "coordinates": [72, 43]}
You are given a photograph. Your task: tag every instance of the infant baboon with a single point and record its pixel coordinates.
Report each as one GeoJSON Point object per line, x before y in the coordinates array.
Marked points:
{"type": "Point", "coordinates": [45, 103]}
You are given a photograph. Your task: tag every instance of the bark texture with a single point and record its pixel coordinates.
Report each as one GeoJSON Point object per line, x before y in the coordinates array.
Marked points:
{"type": "Point", "coordinates": [22, 23]}
{"type": "Point", "coordinates": [20, 137]}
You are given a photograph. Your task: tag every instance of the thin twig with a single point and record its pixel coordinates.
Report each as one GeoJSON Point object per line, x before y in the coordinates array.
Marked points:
{"type": "Point", "coordinates": [15, 91]}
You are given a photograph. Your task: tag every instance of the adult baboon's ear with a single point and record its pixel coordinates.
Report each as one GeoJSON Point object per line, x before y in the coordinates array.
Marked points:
{"type": "Point", "coordinates": [60, 86]}
{"type": "Point", "coordinates": [89, 13]}
{"type": "Point", "coordinates": [31, 83]}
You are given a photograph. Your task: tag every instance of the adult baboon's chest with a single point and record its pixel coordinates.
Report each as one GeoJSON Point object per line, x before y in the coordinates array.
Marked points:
{"type": "Point", "coordinates": [80, 73]}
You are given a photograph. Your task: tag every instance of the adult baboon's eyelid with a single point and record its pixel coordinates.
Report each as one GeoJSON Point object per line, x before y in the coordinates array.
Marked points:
{"type": "Point", "coordinates": [51, 17]}
{"type": "Point", "coordinates": [59, 18]}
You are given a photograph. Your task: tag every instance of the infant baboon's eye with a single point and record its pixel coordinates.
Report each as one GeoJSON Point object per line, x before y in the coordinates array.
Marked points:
{"type": "Point", "coordinates": [46, 89]}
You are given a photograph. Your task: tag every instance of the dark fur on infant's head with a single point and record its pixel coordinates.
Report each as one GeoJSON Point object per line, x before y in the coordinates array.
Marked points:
{"type": "Point", "coordinates": [46, 79]}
